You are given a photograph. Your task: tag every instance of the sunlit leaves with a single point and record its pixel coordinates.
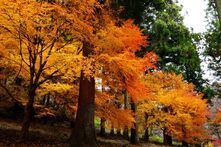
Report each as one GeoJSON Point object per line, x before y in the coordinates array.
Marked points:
{"type": "Point", "coordinates": [106, 108]}
{"type": "Point", "coordinates": [176, 106]}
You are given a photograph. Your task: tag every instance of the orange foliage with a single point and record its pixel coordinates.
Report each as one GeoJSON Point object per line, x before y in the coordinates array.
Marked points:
{"type": "Point", "coordinates": [127, 70]}
{"type": "Point", "coordinates": [105, 108]}
{"type": "Point", "coordinates": [45, 40]}
{"type": "Point", "coordinates": [176, 106]}
{"type": "Point", "coordinates": [52, 35]}
{"type": "Point", "coordinates": [217, 119]}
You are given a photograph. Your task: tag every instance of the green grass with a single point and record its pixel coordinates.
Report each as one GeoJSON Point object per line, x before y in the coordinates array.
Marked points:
{"type": "Point", "coordinates": [97, 122]}
{"type": "Point", "coordinates": [177, 143]}
{"type": "Point", "coordinates": [156, 139]}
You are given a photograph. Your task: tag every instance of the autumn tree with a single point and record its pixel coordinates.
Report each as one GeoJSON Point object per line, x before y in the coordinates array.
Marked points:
{"type": "Point", "coordinates": [34, 41]}
{"type": "Point", "coordinates": [107, 109]}
{"type": "Point", "coordinates": [38, 38]}
{"type": "Point", "coordinates": [169, 38]}
{"type": "Point", "coordinates": [110, 45]}
{"type": "Point", "coordinates": [175, 107]}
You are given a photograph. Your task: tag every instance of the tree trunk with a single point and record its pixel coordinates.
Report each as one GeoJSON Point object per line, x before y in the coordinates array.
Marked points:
{"type": "Point", "coordinates": [218, 134]}
{"type": "Point", "coordinates": [167, 139]}
{"type": "Point", "coordinates": [43, 100]}
{"type": "Point", "coordinates": [102, 125]}
{"type": "Point", "coordinates": [184, 143]}
{"type": "Point", "coordinates": [28, 114]}
{"type": "Point", "coordinates": [146, 134]}
{"type": "Point", "coordinates": [119, 129]}
{"type": "Point", "coordinates": [134, 133]}
{"type": "Point", "coordinates": [125, 131]}
{"type": "Point", "coordinates": [119, 132]}
{"type": "Point", "coordinates": [218, 9]}
{"type": "Point", "coordinates": [83, 134]}
{"type": "Point", "coordinates": [112, 131]}
{"type": "Point", "coordinates": [47, 103]}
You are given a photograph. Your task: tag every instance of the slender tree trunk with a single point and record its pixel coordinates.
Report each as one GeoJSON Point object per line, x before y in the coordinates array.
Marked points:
{"type": "Point", "coordinates": [43, 100]}
{"type": "Point", "coordinates": [28, 114]}
{"type": "Point", "coordinates": [218, 9]}
{"type": "Point", "coordinates": [112, 131]}
{"type": "Point", "coordinates": [218, 134]}
{"type": "Point", "coordinates": [184, 144]}
{"type": "Point", "coordinates": [167, 139]}
{"type": "Point", "coordinates": [119, 129]}
{"type": "Point", "coordinates": [83, 134]}
{"type": "Point", "coordinates": [134, 131]}
{"type": "Point", "coordinates": [146, 134]}
{"type": "Point", "coordinates": [72, 123]}
{"type": "Point", "coordinates": [119, 132]}
{"type": "Point", "coordinates": [48, 99]}
{"type": "Point", "coordinates": [125, 131]}
{"type": "Point", "coordinates": [102, 129]}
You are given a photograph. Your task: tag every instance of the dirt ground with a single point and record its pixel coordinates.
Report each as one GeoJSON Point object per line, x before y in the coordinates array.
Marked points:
{"type": "Point", "coordinates": [50, 136]}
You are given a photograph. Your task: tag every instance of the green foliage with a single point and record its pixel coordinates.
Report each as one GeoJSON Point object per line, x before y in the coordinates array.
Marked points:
{"type": "Point", "coordinates": [213, 40]}
{"type": "Point", "coordinates": [131, 9]}
{"type": "Point", "coordinates": [174, 44]}
{"type": "Point", "coordinates": [209, 93]}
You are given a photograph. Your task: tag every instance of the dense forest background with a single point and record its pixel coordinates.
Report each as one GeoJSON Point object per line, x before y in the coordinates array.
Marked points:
{"type": "Point", "coordinates": [107, 73]}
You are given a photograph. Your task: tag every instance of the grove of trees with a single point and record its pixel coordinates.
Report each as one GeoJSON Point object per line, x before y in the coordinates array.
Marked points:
{"type": "Point", "coordinates": [131, 64]}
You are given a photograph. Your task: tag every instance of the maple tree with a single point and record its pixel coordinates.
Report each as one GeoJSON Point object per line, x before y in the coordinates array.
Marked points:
{"type": "Point", "coordinates": [105, 108]}
{"type": "Point", "coordinates": [35, 43]}
{"type": "Point", "coordinates": [112, 46]}
{"type": "Point", "coordinates": [175, 107]}
{"type": "Point", "coordinates": [39, 39]}
{"type": "Point", "coordinates": [56, 49]}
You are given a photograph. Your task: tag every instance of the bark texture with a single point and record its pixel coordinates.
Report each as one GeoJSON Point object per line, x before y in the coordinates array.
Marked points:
{"type": "Point", "coordinates": [28, 114]}
{"type": "Point", "coordinates": [83, 134]}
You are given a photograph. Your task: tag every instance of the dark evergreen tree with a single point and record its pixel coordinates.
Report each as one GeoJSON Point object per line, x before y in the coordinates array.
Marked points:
{"type": "Point", "coordinates": [213, 37]}
{"type": "Point", "coordinates": [174, 43]}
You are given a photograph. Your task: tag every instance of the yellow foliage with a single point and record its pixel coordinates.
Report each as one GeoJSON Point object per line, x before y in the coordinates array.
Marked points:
{"type": "Point", "coordinates": [176, 106]}
{"type": "Point", "coordinates": [44, 41]}
{"type": "Point", "coordinates": [54, 88]}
